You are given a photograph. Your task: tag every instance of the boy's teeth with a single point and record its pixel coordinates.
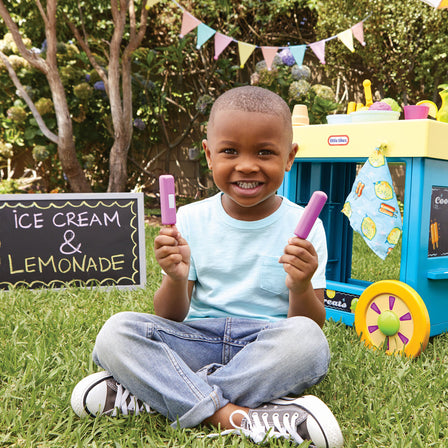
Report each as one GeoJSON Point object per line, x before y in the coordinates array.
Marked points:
{"type": "Point", "coordinates": [247, 185]}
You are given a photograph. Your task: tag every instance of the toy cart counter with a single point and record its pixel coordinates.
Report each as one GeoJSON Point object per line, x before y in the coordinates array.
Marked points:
{"type": "Point", "coordinates": [398, 314]}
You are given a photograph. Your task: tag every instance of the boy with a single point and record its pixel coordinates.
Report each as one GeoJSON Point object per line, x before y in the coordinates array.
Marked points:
{"type": "Point", "coordinates": [239, 310]}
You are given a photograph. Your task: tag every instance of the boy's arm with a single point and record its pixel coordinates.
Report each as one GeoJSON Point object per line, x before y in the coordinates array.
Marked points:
{"type": "Point", "coordinates": [172, 299]}
{"type": "Point", "coordinates": [309, 304]}
{"type": "Point", "coordinates": [300, 262]}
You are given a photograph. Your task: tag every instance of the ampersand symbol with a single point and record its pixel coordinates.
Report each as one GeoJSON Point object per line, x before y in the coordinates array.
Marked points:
{"type": "Point", "coordinates": [69, 236]}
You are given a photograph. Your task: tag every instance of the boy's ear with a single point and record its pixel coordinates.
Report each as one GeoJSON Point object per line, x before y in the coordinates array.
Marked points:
{"type": "Point", "coordinates": [207, 153]}
{"type": "Point", "coordinates": [292, 156]}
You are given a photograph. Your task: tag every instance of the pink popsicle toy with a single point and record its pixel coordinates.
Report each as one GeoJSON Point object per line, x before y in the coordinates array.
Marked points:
{"type": "Point", "coordinates": [167, 199]}
{"type": "Point", "coordinates": [310, 214]}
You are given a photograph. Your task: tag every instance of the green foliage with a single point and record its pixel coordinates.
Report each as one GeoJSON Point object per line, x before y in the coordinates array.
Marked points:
{"type": "Point", "coordinates": [294, 84]}
{"type": "Point", "coordinates": [9, 186]}
{"type": "Point", "coordinates": [405, 55]}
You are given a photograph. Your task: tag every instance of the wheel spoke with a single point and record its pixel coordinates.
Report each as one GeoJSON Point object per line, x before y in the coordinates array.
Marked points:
{"type": "Point", "coordinates": [375, 308]}
{"type": "Point", "coordinates": [406, 316]}
{"type": "Point", "coordinates": [391, 302]}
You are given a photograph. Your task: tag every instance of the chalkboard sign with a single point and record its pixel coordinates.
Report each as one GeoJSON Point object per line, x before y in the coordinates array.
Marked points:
{"type": "Point", "coordinates": [438, 229]}
{"type": "Point", "coordinates": [59, 240]}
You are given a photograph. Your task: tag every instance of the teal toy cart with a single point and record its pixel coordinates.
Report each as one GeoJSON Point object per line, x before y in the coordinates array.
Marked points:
{"type": "Point", "coordinates": [400, 314]}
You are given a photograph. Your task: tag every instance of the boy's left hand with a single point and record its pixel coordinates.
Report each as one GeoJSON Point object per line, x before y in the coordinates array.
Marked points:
{"type": "Point", "coordinates": [300, 263]}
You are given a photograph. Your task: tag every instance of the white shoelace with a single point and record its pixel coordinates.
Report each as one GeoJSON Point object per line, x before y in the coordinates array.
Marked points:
{"type": "Point", "coordinates": [259, 428]}
{"type": "Point", "coordinates": [126, 406]}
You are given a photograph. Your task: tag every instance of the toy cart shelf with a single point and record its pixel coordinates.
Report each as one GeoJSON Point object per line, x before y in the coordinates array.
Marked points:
{"type": "Point", "coordinates": [401, 314]}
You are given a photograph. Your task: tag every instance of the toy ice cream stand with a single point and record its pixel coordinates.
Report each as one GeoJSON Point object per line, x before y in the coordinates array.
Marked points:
{"type": "Point", "coordinates": [399, 315]}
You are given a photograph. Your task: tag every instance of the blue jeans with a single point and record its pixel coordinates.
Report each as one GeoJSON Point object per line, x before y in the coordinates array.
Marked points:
{"type": "Point", "coordinates": [188, 370]}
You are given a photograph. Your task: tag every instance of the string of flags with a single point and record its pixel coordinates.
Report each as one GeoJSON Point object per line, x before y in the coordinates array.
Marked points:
{"type": "Point", "coordinates": [221, 41]}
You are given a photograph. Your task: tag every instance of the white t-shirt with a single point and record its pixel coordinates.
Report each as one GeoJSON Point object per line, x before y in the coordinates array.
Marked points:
{"type": "Point", "coordinates": [235, 263]}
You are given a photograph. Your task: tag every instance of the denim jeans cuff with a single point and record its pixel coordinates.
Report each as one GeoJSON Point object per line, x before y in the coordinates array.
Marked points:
{"type": "Point", "coordinates": [202, 410]}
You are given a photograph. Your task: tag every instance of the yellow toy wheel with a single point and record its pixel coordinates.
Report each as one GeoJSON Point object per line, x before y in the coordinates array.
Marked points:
{"type": "Point", "coordinates": [392, 315]}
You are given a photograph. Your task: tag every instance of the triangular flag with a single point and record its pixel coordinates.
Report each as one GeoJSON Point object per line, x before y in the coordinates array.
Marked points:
{"type": "Point", "coordinates": [204, 34]}
{"type": "Point", "coordinates": [221, 43]}
{"type": "Point", "coordinates": [346, 37]}
{"type": "Point", "coordinates": [245, 51]}
{"type": "Point", "coordinates": [189, 23]}
{"type": "Point", "coordinates": [319, 50]}
{"type": "Point", "coordinates": [358, 32]}
{"type": "Point", "coordinates": [269, 55]}
{"type": "Point", "coordinates": [150, 3]}
{"type": "Point", "coordinates": [298, 51]}
{"type": "Point", "coordinates": [443, 4]}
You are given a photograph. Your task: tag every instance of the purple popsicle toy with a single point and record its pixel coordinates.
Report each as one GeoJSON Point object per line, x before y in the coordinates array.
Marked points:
{"type": "Point", "coordinates": [310, 214]}
{"type": "Point", "coordinates": [167, 199]}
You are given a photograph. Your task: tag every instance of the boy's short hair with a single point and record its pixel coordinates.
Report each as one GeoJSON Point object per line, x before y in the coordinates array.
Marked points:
{"type": "Point", "coordinates": [252, 99]}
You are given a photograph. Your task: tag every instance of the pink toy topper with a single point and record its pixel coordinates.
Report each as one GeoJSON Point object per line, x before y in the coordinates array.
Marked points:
{"type": "Point", "coordinates": [310, 214]}
{"type": "Point", "coordinates": [167, 199]}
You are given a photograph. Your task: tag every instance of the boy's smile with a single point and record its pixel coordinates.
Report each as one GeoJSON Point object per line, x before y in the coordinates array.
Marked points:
{"type": "Point", "coordinates": [248, 153]}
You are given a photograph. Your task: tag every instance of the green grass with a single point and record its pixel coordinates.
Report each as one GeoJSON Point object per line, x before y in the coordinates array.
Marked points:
{"type": "Point", "coordinates": [366, 265]}
{"type": "Point", "coordinates": [46, 338]}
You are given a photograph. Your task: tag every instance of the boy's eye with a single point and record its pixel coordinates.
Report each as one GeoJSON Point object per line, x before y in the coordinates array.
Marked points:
{"type": "Point", "coordinates": [229, 151]}
{"type": "Point", "coordinates": [265, 152]}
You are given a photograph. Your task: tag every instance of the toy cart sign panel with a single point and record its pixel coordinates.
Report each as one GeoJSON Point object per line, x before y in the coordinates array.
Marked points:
{"type": "Point", "coordinates": [59, 240]}
{"type": "Point", "coordinates": [438, 229]}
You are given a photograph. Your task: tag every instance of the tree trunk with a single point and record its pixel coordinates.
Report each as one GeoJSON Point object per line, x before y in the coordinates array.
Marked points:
{"type": "Point", "coordinates": [118, 175]}
{"type": "Point", "coordinates": [66, 145]}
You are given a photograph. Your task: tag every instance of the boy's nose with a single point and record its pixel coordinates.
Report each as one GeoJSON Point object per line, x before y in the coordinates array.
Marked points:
{"type": "Point", "coordinates": [247, 165]}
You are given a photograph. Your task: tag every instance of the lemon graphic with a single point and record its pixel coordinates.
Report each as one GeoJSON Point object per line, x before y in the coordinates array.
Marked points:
{"type": "Point", "coordinates": [331, 294]}
{"type": "Point", "coordinates": [394, 236]}
{"type": "Point", "coordinates": [368, 228]}
{"type": "Point", "coordinates": [376, 159]}
{"type": "Point", "coordinates": [384, 190]}
{"type": "Point", "coordinates": [347, 209]}
{"type": "Point", "coordinates": [432, 107]}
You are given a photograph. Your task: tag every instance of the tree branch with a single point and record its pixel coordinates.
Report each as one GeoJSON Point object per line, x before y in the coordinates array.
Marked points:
{"type": "Point", "coordinates": [35, 60]}
{"type": "Point", "coordinates": [83, 43]}
{"type": "Point", "coordinates": [42, 13]}
{"type": "Point", "coordinates": [43, 127]}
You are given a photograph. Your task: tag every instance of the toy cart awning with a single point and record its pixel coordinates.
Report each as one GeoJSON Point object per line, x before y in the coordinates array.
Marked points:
{"type": "Point", "coordinates": [404, 138]}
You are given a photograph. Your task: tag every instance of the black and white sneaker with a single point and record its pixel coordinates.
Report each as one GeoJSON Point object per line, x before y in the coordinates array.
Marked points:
{"type": "Point", "coordinates": [297, 419]}
{"type": "Point", "coordinates": [99, 394]}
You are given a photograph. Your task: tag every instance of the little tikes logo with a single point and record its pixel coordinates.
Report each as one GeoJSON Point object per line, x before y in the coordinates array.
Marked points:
{"type": "Point", "coordinates": [338, 140]}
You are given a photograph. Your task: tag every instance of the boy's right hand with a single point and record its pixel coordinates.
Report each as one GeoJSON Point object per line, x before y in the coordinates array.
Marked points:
{"type": "Point", "coordinates": [172, 253]}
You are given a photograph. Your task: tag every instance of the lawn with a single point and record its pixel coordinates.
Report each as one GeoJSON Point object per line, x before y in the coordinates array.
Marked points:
{"type": "Point", "coordinates": [46, 338]}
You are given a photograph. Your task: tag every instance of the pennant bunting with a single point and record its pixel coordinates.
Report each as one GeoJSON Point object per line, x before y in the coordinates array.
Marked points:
{"type": "Point", "coordinates": [319, 50]}
{"type": "Point", "coordinates": [346, 37]}
{"type": "Point", "coordinates": [151, 3]}
{"type": "Point", "coordinates": [221, 43]}
{"type": "Point", "coordinates": [189, 23]}
{"type": "Point", "coordinates": [245, 50]}
{"type": "Point", "coordinates": [269, 55]}
{"type": "Point", "coordinates": [204, 34]}
{"type": "Point", "coordinates": [298, 51]}
{"type": "Point", "coordinates": [358, 32]}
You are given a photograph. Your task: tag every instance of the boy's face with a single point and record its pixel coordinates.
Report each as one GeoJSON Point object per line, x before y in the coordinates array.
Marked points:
{"type": "Point", "coordinates": [248, 153]}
